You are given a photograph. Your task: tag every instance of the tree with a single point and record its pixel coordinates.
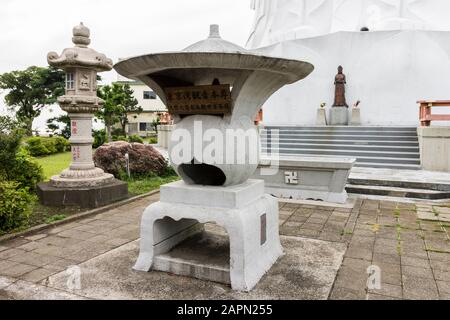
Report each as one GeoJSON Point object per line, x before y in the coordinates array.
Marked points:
{"type": "Point", "coordinates": [30, 91]}
{"type": "Point", "coordinates": [155, 124]}
{"type": "Point", "coordinates": [7, 124]}
{"type": "Point", "coordinates": [60, 123]}
{"type": "Point", "coordinates": [119, 104]}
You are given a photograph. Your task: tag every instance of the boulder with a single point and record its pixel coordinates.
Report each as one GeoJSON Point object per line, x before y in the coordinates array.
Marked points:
{"type": "Point", "coordinates": [144, 159]}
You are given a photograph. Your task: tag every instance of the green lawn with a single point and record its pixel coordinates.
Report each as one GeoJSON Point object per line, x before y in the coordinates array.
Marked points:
{"type": "Point", "coordinates": [137, 187]}
{"type": "Point", "coordinates": [54, 164]}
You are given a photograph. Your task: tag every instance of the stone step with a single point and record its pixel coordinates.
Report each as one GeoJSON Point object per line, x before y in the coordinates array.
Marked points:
{"type": "Point", "coordinates": [342, 132]}
{"type": "Point", "coordinates": [388, 166]}
{"type": "Point", "coordinates": [312, 136]}
{"type": "Point", "coordinates": [377, 147]}
{"type": "Point", "coordinates": [354, 147]}
{"type": "Point", "coordinates": [348, 142]}
{"type": "Point", "coordinates": [398, 192]}
{"type": "Point", "coordinates": [345, 128]}
{"type": "Point", "coordinates": [407, 156]}
{"type": "Point", "coordinates": [442, 187]}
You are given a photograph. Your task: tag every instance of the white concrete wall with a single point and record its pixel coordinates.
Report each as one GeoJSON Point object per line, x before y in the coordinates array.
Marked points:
{"type": "Point", "coordinates": [147, 104]}
{"type": "Point", "coordinates": [387, 70]}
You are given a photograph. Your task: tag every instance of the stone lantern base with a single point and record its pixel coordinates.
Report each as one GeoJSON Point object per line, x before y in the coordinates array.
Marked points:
{"type": "Point", "coordinates": [249, 216]}
{"type": "Point", "coordinates": [84, 197]}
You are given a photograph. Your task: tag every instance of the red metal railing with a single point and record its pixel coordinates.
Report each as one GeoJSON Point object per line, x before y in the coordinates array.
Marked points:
{"type": "Point", "coordinates": [425, 112]}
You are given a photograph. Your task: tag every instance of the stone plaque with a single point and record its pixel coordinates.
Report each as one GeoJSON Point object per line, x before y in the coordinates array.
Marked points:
{"type": "Point", "coordinates": [211, 100]}
{"type": "Point", "coordinates": [263, 229]}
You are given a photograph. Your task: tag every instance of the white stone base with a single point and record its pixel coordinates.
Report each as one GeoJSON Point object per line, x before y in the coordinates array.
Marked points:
{"type": "Point", "coordinates": [82, 178]}
{"type": "Point", "coordinates": [321, 117]}
{"type": "Point", "coordinates": [249, 216]}
{"type": "Point", "coordinates": [435, 148]}
{"type": "Point", "coordinates": [339, 116]}
{"type": "Point", "coordinates": [306, 178]}
{"type": "Point", "coordinates": [304, 194]}
{"type": "Point", "coordinates": [356, 117]}
{"type": "Point", "coordinates": [164, 133]}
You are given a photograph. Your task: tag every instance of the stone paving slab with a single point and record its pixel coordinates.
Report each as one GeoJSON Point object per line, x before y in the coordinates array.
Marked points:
{"type": "Point", "coordinates": [413, 254]}
{"type": "Point", "coordinates": [306, 272]}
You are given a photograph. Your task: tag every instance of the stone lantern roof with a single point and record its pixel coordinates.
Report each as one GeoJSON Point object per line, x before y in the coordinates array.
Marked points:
{"type": "Point", "coordinates": [253, 77]}
{"type": "Point", "coordinates": [215, 43]}
{"type": "Point", "coordinates": [80, 56]}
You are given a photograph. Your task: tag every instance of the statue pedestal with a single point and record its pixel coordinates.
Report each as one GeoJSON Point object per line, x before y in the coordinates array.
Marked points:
{"type": "Point", "coordinates": [174, 224]}
{"type": "Point", "coordinates": [339, 116]}
{"type": "Point", "coordinates": [321, 117]}
{"type": "Point", "coordinates": [356, 117]}
{"type": "Point", "coordinates": [84, 197]}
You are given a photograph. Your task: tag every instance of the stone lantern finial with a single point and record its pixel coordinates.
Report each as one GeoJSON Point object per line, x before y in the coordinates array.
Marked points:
{"type": "Point", "coordinates": [214, 31]}
{"type": "Point", "coordinates": [81, 35]}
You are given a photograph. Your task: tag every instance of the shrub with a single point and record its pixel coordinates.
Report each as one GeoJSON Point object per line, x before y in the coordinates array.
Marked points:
{"type": "Point", "coordinates": [35, 147]}
{"type": "Point", "coordinates": [119, 138]}
{"type": "Point", "coordinates": [15, 206]}
{"type": "Point", "coordinates": [26, 171]}
{"type": "Point", "coordinates": [135, 139]}
{"type": "Point", "coordinates": [9, 146]}
{"type": "Point", "coordinates": [61, 144]}
{"type": "Point", "coordinates": [144, 159]}
{"type": "Point", "coordinates": [118, 132]}
{"type": "Point", "coordinates": [17, 165]}
{"type": "Point", "coordinates": [153, 140]}
{"type": "Point", "coordinates": [43, 146]}
{"type": "Point", "coordinates": [99, 138]}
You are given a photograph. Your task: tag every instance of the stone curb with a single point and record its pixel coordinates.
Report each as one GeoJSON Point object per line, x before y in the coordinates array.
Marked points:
{"type": "Point", "coordinates": [75, 217]}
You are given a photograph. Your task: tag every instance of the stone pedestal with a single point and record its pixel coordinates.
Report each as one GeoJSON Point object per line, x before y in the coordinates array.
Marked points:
{"type": "Point", "coordinates": [164, 132]}
{"type": "Point", "coordinates": [321, 119]}
{"type": "Point", "coordinates": [82, 173]}
{"type": "Point", "coordinates": [435, 148]}
{"type": "Point", "coordinates": [249, 216]}
{"type": "Point", "coordinates": [356, 117]}
{"type": "Point", "coordinates": [339, 116]}
{"type": "Point", "coordinates": [307, 178]}
{"type": "Point", "coordinates": [88, 197]}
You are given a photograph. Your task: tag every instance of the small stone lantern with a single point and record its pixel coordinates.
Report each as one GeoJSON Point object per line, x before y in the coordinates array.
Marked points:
{"type": "Point", "coordinates": [80, 101]}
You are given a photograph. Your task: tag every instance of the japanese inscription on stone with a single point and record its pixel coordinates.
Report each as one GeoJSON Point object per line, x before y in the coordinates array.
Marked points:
{"type": "Point", "coordinates": [215, 99]}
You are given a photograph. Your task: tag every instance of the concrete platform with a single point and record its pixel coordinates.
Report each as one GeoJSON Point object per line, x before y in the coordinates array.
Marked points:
{"type": "Point", "coordinates": [93, 197]}
{"type": "Point", "coordinates": [306, 272]}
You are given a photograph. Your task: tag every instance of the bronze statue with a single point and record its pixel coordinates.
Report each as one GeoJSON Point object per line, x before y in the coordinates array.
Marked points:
{"type": "Point", "coordinates": [340, 82]}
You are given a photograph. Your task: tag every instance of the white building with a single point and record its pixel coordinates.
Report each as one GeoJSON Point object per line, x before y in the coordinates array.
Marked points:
{"type": "Point", "coordinates": [404, 57]}
{"type": "Point", "coordinates": [141, 124]}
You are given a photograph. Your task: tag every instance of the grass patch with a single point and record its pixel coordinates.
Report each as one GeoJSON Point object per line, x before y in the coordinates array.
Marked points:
{"type": "Point", "coordinates": [55, 218]}
{"type": "Point", "coordinates": [54, 164]}
{"type": "Point", "coordinates": [48, 215]}
{"type": "Point", "coordinates": [346, 232]}
{"type": "Point", "coordinates": [147, 184]}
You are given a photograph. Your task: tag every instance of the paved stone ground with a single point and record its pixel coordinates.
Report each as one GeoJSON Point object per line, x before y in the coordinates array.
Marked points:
{"type": "Point", "coordinates": [412, 254]}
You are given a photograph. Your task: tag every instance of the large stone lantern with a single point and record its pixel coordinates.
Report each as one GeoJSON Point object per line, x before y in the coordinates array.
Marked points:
{"type": "Point", "coordinates": [82, 184]}
{"type": "Point", "coordinates": [214, 90]}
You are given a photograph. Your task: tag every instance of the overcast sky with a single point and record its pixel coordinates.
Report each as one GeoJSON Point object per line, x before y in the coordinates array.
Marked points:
{"type": "Point", "coordinates": [119, 28]}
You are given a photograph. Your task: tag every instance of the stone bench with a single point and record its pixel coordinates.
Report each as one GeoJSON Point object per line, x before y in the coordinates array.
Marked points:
{"type": "Point", "coordinates": [306, 178]}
